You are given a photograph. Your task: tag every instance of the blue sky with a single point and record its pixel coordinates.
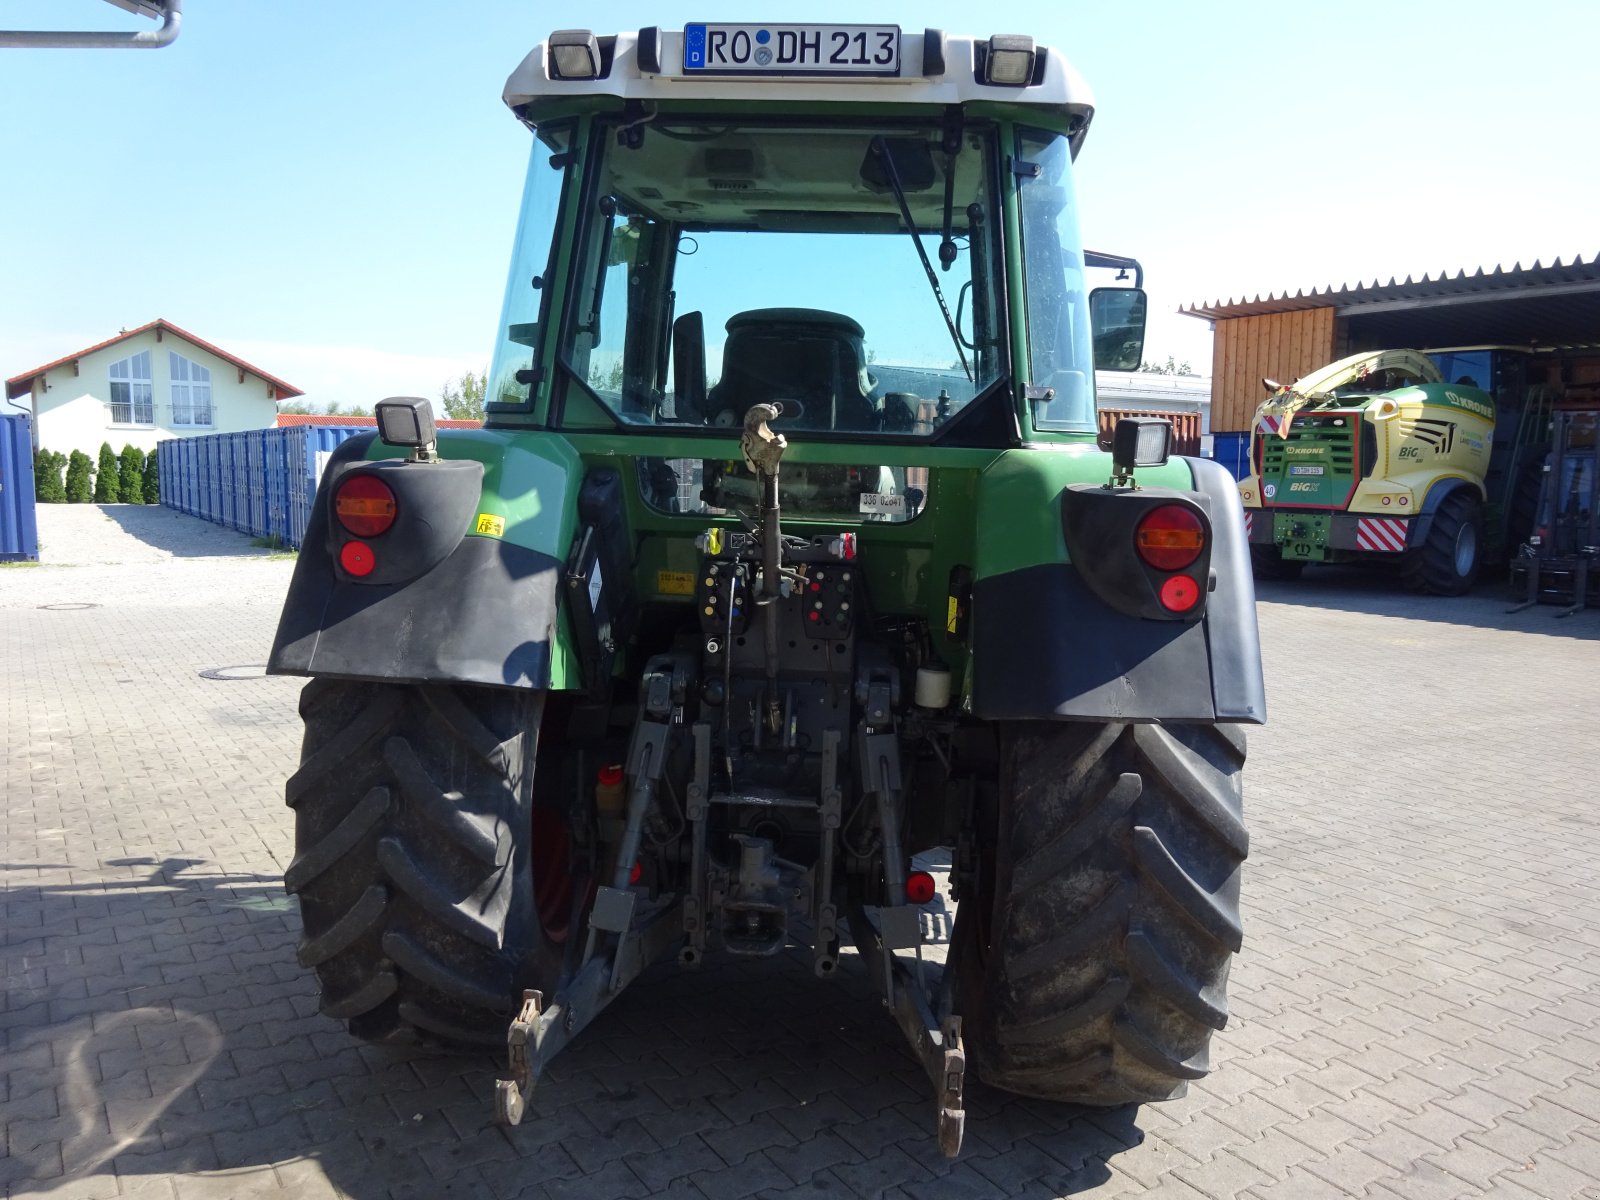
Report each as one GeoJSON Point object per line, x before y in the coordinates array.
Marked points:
{"type": "Point", "coordinates": [330, 189]}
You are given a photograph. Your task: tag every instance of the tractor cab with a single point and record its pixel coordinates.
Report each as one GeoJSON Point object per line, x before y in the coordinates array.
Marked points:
{"type": "Point", "coordinates": [700, 238]}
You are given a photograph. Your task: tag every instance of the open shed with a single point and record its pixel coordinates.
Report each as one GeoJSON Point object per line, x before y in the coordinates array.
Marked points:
{"type": "Point", "coordinates": [1551, 312]}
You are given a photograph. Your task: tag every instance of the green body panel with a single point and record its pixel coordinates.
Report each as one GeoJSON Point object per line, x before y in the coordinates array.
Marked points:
{"type": "Point", "coordinates": [1302, 537]}
{"type": "Point", "coordinates": [1019, 510]}
{"type": "Point", "coordinates": [1315, 465]}
{"type": "Point", "coordinates": [530, 483]}
{"type": "Point", "coordinates": [991, 511]}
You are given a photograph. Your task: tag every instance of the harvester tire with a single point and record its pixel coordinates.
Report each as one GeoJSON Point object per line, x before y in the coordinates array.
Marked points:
{"type": "Point", "coordinates": [1092, 963]}
{"type": "Point", "coordinates": [413, 816]}
{"type": "Point", "coordinates": [1447, 562]}
{"type": "Point", "coordinates": [1268, 562]}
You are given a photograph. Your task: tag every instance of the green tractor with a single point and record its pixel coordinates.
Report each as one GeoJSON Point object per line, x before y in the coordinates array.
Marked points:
{"type": "Point", "coordinates": [786, 554]}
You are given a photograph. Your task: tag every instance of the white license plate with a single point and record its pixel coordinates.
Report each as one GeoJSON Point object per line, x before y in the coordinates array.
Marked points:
{"type": "Point", "coordinates": [791, 49]}
{"type": "Point", "coordinates": [1303, 469]}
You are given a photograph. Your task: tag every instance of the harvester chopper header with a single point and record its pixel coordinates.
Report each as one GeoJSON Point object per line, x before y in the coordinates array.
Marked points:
{"type": "Point", "coordinates": [785, 555]}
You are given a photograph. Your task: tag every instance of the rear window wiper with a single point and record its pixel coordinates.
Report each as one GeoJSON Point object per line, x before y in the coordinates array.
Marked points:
{"type": "Point", "coordinates": [892, 173]}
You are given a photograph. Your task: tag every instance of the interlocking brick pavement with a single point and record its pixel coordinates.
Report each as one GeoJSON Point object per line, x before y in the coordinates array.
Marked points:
{"type": "Point", "coordinates": [1416, 1011]}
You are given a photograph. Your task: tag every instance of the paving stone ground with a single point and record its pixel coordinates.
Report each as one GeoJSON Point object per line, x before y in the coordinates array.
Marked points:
{"type": "Point", "coordinates": [1416, 1012]}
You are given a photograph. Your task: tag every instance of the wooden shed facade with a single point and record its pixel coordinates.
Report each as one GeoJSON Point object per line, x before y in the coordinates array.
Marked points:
{"type": "Point", "coordinates": [1246, 350]}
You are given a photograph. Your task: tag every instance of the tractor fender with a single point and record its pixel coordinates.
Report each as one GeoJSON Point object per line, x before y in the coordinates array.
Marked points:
{"type": "Point", "coordinates": [445, 605]}
{"type": "Point", "coordinates": [1045, 646]}
{"type": "Point", "coordinates": [1438, 492]}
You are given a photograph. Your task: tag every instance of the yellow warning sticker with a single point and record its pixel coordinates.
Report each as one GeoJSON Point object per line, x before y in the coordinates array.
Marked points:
{"type": "Point", "coordinates": [675, 583]}
{"type": "Point", "coordinates": [950, 617]}
{"type": "Point", "coordinates": [490, 524]}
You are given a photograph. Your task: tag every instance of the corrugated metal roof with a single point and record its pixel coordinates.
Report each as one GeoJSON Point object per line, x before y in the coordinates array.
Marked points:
{"type": "Point", "coordinates": [1537, 278]}
{"type": "Point", "coordinates": [1553, 306]}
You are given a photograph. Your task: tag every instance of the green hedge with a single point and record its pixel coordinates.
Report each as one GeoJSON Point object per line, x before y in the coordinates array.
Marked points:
{"type": "Point", "coordinates": [130, 475]}
{"type": "Point", "coordinates": [106, 490]}
{"type": "Point", "coordinates": [80, 487]}
{"type": "Point", "coordinates": [47, 485]}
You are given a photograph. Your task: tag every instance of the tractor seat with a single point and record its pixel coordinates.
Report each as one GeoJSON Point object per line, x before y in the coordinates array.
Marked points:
{"type": "Point", "coordinates": [804, 358]}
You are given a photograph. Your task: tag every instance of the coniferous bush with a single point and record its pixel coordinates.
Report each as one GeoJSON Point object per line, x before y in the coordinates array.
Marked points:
{"type": "Point", "coordinates": [130, 475]}
{"type": "Point", "coordinates": [152, 477]}
{"type": "Point", "coordinates": [47, 485]}
{"type": "Point", "coordinates": [79, 488]}
{"type": "Point", "coordinates": [106, 490]}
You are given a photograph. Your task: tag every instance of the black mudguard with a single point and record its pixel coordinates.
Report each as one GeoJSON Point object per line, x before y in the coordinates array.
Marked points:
{"type": "Point", "coordinates": [1044, 645]}
{"type": "Point", "coordinates": [467, 610]}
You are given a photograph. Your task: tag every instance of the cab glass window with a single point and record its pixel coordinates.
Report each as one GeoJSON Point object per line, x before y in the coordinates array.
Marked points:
{"type": "Point", "coordinates": [1060, 350]}
{"type": "Point", "coordinates": [524, 310]}
{"type": "Point", "coordinates": [848, 274]}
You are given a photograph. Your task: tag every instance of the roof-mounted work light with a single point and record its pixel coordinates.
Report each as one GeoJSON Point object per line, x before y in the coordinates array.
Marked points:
{"type": "Point", "coordinates": [1139, 442]}
{"type": "Point", "coordinates": [574, 54]}
{"type": "Point", "coordinates": [1009, 60]}
{"type": "Point", "coordinates": [408, 421]}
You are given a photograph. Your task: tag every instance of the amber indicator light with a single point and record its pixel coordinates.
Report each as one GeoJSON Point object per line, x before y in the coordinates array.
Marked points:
{"type": "Point", "coordinates": [364, 505]}
{"type": "Point", "coordinates": [1170, 537]}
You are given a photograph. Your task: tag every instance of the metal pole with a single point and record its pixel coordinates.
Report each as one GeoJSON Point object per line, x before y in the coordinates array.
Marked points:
{"type": "Point", "coordinates": [71, 40]}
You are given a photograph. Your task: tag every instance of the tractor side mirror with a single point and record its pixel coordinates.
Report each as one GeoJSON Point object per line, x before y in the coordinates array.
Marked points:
{"type": "Point", "coordinates": [689, 367]}
{"type": "Point", "coordinates": [1117, 316]}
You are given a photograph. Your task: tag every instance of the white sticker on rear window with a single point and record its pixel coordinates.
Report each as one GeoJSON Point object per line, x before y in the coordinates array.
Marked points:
{"type": "Point", "coordinates": [877, 502]}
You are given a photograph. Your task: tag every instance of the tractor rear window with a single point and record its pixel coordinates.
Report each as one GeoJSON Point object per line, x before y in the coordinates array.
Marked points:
{"type": "Point", "coordinates": [807, 491]}
{"type": "Point", "coordinates": [725, 266]}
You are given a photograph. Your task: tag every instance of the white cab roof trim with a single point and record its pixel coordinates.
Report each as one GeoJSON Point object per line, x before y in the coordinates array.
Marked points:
{"type": "Point", "coordinates": [1062, 88]}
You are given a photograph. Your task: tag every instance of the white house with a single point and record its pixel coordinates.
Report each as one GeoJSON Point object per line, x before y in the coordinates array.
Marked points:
{"type": "Point", "coordinates": [143, 386]}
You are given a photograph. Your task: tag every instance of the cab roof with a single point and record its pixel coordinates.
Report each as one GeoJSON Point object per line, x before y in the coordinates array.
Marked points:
{"type": "Point", "coordinates": [935, 69]}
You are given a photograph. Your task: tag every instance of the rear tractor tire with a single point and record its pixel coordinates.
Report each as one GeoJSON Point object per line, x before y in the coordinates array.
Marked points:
{"type": "Point", "coordinates": [414, 815]}
{"type": "Point", "coordinates": [1093, 960]}
{"type": "Point", "coordinates": [1447, 562]}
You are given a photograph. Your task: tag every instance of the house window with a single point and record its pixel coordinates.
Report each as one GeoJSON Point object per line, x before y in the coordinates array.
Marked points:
{"type": "Point", "coordinates": [191, 391]}
{"type": "Point", "coordinates": [131, 393]}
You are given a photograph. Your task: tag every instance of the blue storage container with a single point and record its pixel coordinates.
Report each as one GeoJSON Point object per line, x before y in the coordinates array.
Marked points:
{"type": "Point", "coordinates": [19, 527]}
{"type": "Point", "coordinates": [260, 481]}
{"type": "Point", "coordinates": [1232, 450]}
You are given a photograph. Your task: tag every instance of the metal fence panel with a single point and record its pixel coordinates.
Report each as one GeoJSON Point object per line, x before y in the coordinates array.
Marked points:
{"type": "Point", "coordinates": [260, 481]}
{"type": "Point", "coordinates": [19, 526]}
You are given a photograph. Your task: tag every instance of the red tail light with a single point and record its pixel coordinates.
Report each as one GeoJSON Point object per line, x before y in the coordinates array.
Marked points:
{"type": "Point", "coordinates": [919, 887]}
{"type": "Point", "coordinates": [364, 505]}
{"type": "Point", "coordinates": [1180, 593]}
{"type": "Point", "coordinates": [1170, 537]}
{"type": "Point", "coordinates": [357, 558]}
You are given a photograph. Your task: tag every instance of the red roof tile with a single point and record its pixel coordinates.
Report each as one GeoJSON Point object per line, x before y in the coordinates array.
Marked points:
{"type": "Point", "coordinates": [287, 419]}
{"type": "Point", "coordinates": [21, 385]}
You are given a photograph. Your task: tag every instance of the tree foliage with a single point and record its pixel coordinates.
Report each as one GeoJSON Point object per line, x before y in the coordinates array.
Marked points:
{"type": "Point", "coordinates": [1170, 367]}
{"type": "Point", "coordinates": [79, 488]}
{"type": "Point", "coordinates": [106, 489]}
{"type": "Point", "coordinates": [331, 409]}
{"type": "Point", "coordinates": [463, 398]}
